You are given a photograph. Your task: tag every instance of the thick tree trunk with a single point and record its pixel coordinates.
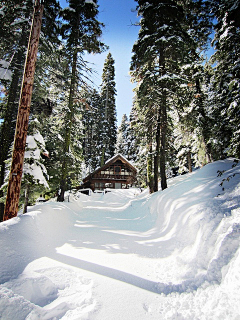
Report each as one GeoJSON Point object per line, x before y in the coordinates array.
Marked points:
{"type": "Point", "coordinates": [69, 120]}
{"type": "Point", "coordinates": [10, 115]}
{"type": "Point", "coordinates": [14, 185]}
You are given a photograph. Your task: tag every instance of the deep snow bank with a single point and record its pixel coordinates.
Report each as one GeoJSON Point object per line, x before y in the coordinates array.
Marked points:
{"type": "Point", "coordinates": [77, 260]}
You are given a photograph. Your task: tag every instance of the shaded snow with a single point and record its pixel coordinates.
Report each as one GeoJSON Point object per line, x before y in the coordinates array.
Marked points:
{"type": "Point", "coordinates": [5, 73]}
{"type": "Point", "coordinates": [128, 255]}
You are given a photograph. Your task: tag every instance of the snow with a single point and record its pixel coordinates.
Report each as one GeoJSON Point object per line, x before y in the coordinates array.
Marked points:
{"type": "Point", "coordinates": [128, 255]}
{"type": "Point", "coordinates": [5, 73]}
{"type": "Point", "coordinates": [35, 168]}
{"type": "Point", "coordinates": [91, 1]}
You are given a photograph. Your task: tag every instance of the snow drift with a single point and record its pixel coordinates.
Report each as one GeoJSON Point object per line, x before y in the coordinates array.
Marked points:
{"type": "Point", "coordinates": [128, 255]}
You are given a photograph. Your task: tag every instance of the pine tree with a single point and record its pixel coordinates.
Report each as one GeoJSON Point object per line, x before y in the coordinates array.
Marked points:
{"type": "Point", "coordinates": [137, 141]}
{"type": "Point", "coordinates": [226, 80]}
{"type": "Point", "coordinates": [35, 174]}
{"type": "Point", "coordinates": [13, 45]}
{"type": "Point", "coordinates": [193, 119]}
{"type": "Point", "coordinates": [156, 61]}
{"type": "Point", "coordinates": [92, 125]}
{"type": "Point", "coordinates": [109, 114]}
{"type": "Point", "coordinates": [14, 33]}
{"type": "Point", "coordinates": [122, 144]}
{"type": "Point", "coordinates": [81, 31]}
{"type": "Point", "coordinates": [170, 35]}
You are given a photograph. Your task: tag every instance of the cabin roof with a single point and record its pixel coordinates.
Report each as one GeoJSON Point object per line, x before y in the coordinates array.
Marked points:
{"type": "Point", "coordinates": [108, 163]}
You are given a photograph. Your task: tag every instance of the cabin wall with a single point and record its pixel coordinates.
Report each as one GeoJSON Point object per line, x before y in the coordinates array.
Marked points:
{"type": "Point", "coordinates": [116, 175]}
{"type": "Point", "coordinates": [100, 185]}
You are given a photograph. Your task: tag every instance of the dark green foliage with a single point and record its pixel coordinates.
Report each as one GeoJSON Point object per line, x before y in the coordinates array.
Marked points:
{"type": "Point", "coordinates": [108, 131]}
{"type": "Point", "coordinates": [16, 19]}
{"type": "Point", "coordinates": [92, 128]}
{"type": "Point", "coordinates": [226, 78]}
{"type": "Point", "coordinates": [123, 138]}
{"type": "Point", "coordinates": [81, 31]}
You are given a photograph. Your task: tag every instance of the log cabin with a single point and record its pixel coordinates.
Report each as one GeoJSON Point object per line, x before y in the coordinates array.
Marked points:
{"type": "Point", "coordinates": [116, 173]}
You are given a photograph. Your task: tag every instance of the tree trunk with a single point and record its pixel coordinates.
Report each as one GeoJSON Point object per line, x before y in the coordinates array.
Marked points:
{"type": "Point", "coordinates": [150, 176]}
{"type": "Point", "coordinates": [69, 120]}
{"type": "Point", "coordinates": [189, 161]}
{"type": "Point", "coordinates": [14, 185]}
{"type": "Point", "coordinates": [162, 121]}
{"type": "Point", "coordinates": [163, 143]}
{"type": "Point", "coordinates": [204, 124]}
{"type": "Point", "coordinates": [157, 151]}
{"type": "Point", "coordinates": [10, 115]}
{"type": "Point", "coordinates": [103, 154]}
{"type": "Point", "coordinates": [27, 192]}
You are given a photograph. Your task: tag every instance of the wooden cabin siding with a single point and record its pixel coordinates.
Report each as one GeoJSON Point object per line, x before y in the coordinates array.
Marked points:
{"type": "Point", "coordinates": [116, 173]}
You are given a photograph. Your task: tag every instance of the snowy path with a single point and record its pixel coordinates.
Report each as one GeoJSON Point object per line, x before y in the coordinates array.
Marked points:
{"type": "Point", "coordinates": [127, 255]}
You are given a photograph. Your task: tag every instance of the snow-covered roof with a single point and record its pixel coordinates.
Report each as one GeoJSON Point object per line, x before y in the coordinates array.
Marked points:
{"type": "Point", "coordinates": [110, 161]}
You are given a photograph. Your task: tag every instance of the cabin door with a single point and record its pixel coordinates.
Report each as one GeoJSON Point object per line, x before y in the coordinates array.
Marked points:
{"type": "Point", "coordinates": [118, 185]}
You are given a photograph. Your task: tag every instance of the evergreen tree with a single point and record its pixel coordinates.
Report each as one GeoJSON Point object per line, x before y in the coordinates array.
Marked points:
{"type": "Point", "coordinates": [109, 114]}
{"type": "Point", "coordinates": [34, 171]}
{"type": "Point", "coordinates": [226, 80]}
{"type": "Point", "coordinates": [193, 122]}
{"type": "Point", "coordinates": [170, 35]}
{"type": "Point", "coordinates": [35, 176]}
{"type": "Point", "coordinates": [122, 144]}
{"type": "Point", "coordinates": [81, 31]}
{"type": "Point", "coordinates": [142, 123]}
{"type": "Point", "coordinates": [15, 26]}
{"type": "Point", "coordinates": [138, 153]}
{"type": "Point", "coordinates": [158, 54]}
{"type": "Point", "coordinates": [13, 45]}
{"type": "Point", "coordinates": [92, 125]}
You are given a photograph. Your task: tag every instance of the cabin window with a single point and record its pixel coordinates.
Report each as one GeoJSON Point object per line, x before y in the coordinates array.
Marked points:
{"type": "Point", "coordinates": [117, 170]}
{"type": "Point", "coordinates": [99, 185]}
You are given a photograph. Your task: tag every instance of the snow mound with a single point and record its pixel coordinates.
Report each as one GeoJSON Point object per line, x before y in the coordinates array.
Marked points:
{"type": "Point", "coordinates": [171, 255]}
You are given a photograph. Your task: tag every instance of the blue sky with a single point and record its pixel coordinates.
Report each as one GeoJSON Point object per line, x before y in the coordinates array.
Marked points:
{"type": "Point", "coordinates": [119, 34]}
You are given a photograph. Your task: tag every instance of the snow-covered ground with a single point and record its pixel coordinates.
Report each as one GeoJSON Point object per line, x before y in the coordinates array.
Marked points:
{"type": "Point", "coordinates": [128, 255]}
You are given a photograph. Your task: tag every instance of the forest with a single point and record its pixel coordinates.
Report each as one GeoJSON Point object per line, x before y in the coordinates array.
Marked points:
{"type": "Point", "coordinates": [185, 111]}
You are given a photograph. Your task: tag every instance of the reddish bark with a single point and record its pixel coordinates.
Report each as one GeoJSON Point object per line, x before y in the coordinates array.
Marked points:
{"type": "Point", "coordinates": [14, 185]}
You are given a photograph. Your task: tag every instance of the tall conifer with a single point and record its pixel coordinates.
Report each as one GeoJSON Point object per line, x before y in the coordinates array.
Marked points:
{"type": "Point", "coordinates": [81, 31]}
{"type": "Point", "coordinates": [226, 79]}
{"type": "Point", "coordinates": [109, 113]}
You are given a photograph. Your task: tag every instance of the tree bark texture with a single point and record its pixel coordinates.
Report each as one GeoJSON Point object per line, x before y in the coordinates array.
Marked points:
{"type": "Point", "coordinates": [10, 115]}
{"type": "Point", "coordinates": [14, 185]}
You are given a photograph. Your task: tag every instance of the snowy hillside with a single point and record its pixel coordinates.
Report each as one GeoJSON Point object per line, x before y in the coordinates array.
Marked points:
{"type": "Point", "coordinates": [128, 255]}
